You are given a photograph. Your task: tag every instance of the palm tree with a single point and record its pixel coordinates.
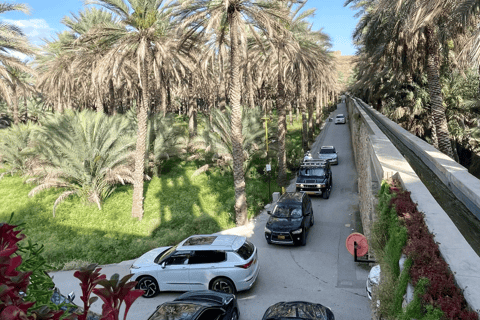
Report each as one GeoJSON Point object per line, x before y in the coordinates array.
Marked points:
{"type": "Point", "coordinates": [12, 40]}
{"type": "Point", "coordinates": [204, 15]}
{"type": "Point", "coordinates": [404, 36]}
{"type": "Point", "coordinates": [143, 27]}
{"type": "Point", "coordinates": [85, 153]}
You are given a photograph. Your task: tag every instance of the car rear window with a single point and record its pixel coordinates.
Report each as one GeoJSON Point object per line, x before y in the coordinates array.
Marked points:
{"type": "Point", "coordinates": [246, 250]}
{"type": "Point", "coordinates": [175, 311]}
{"type": "Point", "coordinates": [325, 151]}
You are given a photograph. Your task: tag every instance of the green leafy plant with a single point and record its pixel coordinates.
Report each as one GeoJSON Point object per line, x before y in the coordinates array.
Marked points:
{"type": "Point", "coordinates": [86, 153]}
{"type": "Point", "coordinates": [16, 148]}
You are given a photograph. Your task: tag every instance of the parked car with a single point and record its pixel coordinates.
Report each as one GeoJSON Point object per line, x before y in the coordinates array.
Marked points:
{"type": "Point", "coordinates": [373, 280]}
{"type": "Point", "coordinates": [199, 305]}
{"type": "Point", "coordinates": [328, 153]}
{"type": "Point", "coordinates": [298, 310]}
{"type": "Point", "coordinates": [340, 118]}
{"type": "Point", "coordinates": [226, 263]}
{"type": "Point", "coordinates": [290, 219]}
{"type": "Point", "coordinates": [314, 177]}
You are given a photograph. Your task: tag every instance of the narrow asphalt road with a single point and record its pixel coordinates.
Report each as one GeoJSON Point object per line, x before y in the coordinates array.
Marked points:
{"type": "Point", "coordinates": [323, 271]}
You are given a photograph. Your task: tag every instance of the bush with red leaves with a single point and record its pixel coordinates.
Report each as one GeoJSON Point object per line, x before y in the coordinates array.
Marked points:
{"type": "Point", "coordinates": [114, 293]}
{"type": "Point", "coordinates": [428, 262]}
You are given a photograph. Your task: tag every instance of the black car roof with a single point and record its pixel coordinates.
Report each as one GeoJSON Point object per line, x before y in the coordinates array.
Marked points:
{"type": "Point", "coordinates": [281, 309]}
{"type": "Point", "coordinates": [207, 297]}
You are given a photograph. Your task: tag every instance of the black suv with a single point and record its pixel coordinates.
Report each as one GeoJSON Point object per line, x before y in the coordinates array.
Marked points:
{"type": "Point", "coordinates": [315, 178]}
{"type": "Point", "coordinates": [290, 219]}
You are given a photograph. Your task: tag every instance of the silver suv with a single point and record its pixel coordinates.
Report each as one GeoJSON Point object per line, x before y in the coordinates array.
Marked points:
{"type": "Point", "coordinates": [226, 263]}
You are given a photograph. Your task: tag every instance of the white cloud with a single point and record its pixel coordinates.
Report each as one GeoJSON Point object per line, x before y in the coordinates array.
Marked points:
{"type": "Point", "coordinates": [34, 29]}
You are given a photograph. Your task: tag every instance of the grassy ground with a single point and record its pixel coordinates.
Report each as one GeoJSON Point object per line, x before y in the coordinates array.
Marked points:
{"type": "Point", "coordinates": [177, 205]}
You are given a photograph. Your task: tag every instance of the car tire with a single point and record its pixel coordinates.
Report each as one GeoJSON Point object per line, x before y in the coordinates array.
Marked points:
{"type": "Point", "coordinates": [326, 193]}
{"type": "Point", "coordinates": [312, 221]}
{"type": "Point", "coordinates": [149, 286]}
{"type": "Point", "coordinates": [223, 285]}
{"type": "Point", "coordinates": [235, 315]}
{"type": "Point", "coordinates": [303, 239]}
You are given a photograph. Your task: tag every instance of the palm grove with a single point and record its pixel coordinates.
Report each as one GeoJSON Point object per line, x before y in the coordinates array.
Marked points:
{"type": "Point", "coordinates": [104, 93]}
{"type": "Point", "coordinates": [418, 63]}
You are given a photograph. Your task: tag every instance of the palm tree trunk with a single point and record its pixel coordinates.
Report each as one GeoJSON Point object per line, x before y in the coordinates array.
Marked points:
{"type": "Point", "coordinates": [317, 105]}
{"type": "Point", "coordinates": [111, 89]}
{"type": "Point", "coordinates": [282, 123]}
{"type": "Point", "coordinates": [192, 110]}
{"type": "Point", "coordinates": [163, 88]}
{"type": "Point", "coordinates": [303, 107]}
{"type": "Point", "coordinates": [236, 122]}
{"type": "Point", "coordinates": [251, 99]}
{"type": "Point", "coordinates": [140, 147]}
{"type": "Point", "coordinates": [435, 92]}
{"type": "Point", "coordinates": [222, 85]}
{"type": "Point", "coordinates": [98, 101]}
{"type": "Point", "coordinates": [16, 118]}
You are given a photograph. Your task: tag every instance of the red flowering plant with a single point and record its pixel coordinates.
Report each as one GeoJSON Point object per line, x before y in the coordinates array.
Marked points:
{"type": "Point", "coordinates": [13, 282]}
{"type": "Point", "coordinates": [14, 285]}
{"type": "Point", "coordinates": [113, 293]}
{"type": "Point", "coordinates": [428, 263]}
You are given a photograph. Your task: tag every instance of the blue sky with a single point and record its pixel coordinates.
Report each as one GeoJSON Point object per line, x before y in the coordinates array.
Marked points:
{"type": "Point", "coordinates": [44, 21]}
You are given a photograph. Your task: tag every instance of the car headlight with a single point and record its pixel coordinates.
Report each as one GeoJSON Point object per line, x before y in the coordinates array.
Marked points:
{"type": "Point", "coordinates": [267, 230]}
{"type": "Point", "coordinates": [134, 267]}
{"type": "Point", "coordinates": [298, 231]}
{"type": "Point", "coordinates": [320, 186]}
{"type": "Point", "coordinates": [300, 185]}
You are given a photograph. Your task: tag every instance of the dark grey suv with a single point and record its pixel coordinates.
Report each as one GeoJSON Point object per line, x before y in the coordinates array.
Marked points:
{"type": "Point", "coordinates": [290, 219]}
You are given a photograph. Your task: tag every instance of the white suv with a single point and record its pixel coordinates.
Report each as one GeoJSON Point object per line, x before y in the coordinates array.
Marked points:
{"type": "Point", "coordinates": [340, 118]}
{"type": "Point", "coordinates": [226, 263]}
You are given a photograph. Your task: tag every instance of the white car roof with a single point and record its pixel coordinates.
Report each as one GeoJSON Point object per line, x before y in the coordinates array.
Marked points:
{"type": "Point", "coordinates": [212, 242]}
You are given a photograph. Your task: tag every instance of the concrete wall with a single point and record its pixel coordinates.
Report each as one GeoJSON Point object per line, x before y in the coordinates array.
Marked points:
{"type": "Point", "coordinates": [386, 160]}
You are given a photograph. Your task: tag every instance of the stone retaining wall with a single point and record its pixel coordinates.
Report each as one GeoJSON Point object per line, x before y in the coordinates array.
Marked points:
{"type": "Point", "coordinates": [376, 159]}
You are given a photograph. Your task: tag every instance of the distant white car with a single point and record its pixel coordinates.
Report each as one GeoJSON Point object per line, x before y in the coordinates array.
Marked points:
{"type": "Point", "coordinates": [340, 118]}
{"type": "Point", "coordinates": [373, 279]}
{"type": "Point", "coordinates": [328, 153]}
{"type": "Point", "coordinates": [226, 263]}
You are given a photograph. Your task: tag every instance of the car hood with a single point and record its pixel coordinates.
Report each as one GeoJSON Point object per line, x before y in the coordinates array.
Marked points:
{"type": "Point", "coordinates": [311, 179]}
{"type": "Point", "coordinates": [327, 156]}
{"type": "Point", "coordinates": [283, 224]}
{"type": "Point", "coordinates": [147, 258]}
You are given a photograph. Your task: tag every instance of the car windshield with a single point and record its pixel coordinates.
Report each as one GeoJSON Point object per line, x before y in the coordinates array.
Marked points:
{"type": "Point", "coordinates": [326, 151]}
{"type": "Point", "coordinates": [182, 311]}
{"type": "Point", "coordinates": [288, 211]}
{"type": "Point", "coordinates": [314, 172]}
{"type": "Point", "coordinates": [340, 116]}
{"type": "Point", "coordinates": [162, 256]}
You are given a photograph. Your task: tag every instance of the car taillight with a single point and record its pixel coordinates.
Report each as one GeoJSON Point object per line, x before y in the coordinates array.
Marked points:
{"type": "Point", "coordinates": [246, 265]}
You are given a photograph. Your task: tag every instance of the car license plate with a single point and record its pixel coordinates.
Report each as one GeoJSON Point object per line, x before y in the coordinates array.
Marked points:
{"type": "Point", "coordinates": [310, 192]}
{"type": "Point", "coordinates": [281, 237]}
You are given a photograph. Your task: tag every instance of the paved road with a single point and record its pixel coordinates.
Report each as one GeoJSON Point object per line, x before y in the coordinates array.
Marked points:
{"type": "Point", "coordinates": [322, 271]}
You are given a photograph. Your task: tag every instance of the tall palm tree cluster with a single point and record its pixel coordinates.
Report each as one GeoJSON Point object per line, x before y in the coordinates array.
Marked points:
{"type": "Point", "coordinates": [416, 61]}
{"type": "Point", "coordinates": [158, 57]}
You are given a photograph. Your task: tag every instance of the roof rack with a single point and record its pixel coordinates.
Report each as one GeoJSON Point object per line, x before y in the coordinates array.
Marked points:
{"type": "Point", "coordinates": [314, 163]}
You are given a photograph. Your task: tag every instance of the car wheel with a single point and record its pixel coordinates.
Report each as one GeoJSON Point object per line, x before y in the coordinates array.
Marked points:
{"type": "Point", "coordinates": [149, 286]}
{"type": "Point", "coordinates": [326, 193]}
{"type": "Point", "coordinates": [223, 285]}
{"type": "Point", "coordinates": [235, 315]}
{"type": "Point", "coordinates": [303, 239]}
{"type": "Point", "coordinates": [312, 221]}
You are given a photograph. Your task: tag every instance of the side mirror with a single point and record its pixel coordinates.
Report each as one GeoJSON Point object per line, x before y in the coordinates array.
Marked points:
{"type": "Point", "coordinates": [163, 265]}
{"type": "Point", "coordinates": [269, 212]}
{"type": "Point", "coordinates": [71, 296]}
